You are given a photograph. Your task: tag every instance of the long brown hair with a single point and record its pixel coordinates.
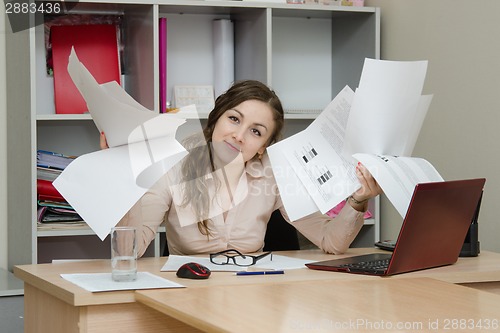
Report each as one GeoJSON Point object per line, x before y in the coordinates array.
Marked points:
{"type": "Point", "coordinates": [199, 161]}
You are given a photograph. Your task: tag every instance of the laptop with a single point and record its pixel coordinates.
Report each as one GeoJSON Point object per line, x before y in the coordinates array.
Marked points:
{"type": "Point", "coordinates": [433, 231]}
{"type": "Point", "coordinates": [470, 247]}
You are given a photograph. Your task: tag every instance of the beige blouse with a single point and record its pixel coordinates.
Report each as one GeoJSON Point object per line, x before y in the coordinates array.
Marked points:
{"type": "Point", "coordinates": [244, 226]}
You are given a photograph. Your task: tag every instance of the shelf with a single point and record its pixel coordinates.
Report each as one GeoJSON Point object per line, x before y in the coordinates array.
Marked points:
{"type": "Point", "coordinates": [70, 231]}
{"type": "Point", "coordinates": [56, 235]}
{"type": "Point", "coordinates": [370, 221]}
{"type": "Point", "coordinates": [306, 53]}
{"type": "Point", "coordinates": [52, 117]}
{"type": "Point", "coordinates": [64, 117]}
{"type": "Point", "coordinates": [304, 115]}
{"type": "Point", "coordinates": [280, 9]}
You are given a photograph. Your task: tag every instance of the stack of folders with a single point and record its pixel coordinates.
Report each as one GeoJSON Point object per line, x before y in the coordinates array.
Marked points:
{"type": "Point", "coordinates": [52, 160]}
{"type": "Point", "coordinates": [53, 210]}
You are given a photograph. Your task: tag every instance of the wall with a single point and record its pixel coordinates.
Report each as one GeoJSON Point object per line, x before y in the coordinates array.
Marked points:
{"type": "Point", "coordinates": [460, 135]}
{"type": "Point", "coordinates": [3, 148]}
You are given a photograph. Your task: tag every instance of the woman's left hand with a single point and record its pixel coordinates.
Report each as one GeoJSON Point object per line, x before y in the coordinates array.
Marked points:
{"type": "Point", "coordinates": [103, 143]}
{"type": "Point", "coordinates": [369, 186]}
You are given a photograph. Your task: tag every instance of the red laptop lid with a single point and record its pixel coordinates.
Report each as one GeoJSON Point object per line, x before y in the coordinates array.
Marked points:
{"type": "Point", "coordinates": [436, 224]}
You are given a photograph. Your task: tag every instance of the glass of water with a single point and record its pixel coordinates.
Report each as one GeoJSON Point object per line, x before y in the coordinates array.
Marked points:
{"type": "Point", "coordinates": [123, 253]}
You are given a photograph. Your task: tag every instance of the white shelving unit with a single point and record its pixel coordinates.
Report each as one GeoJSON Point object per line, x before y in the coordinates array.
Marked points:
{"type": "Point", "coordinates": [307, 53]}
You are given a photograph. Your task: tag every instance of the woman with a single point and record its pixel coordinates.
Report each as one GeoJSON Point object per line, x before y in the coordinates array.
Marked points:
{"type": "Point", "coordinates": [223, 193]}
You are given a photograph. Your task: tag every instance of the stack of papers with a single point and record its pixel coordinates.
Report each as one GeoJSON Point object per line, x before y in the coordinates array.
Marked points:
{"type": "Point", "coordinates": [315, 168]}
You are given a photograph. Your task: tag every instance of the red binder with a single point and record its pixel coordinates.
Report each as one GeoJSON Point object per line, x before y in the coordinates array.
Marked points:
{"type": "Point", "coordinates": [47, 191]}
{"type": "Point", "coordinates": [97, 48]}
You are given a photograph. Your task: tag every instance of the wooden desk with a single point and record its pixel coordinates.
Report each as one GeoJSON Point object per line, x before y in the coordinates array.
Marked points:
{"type": "Point", "coordinates": [419, 304]}
{"type": "Point", "coordinates": [53, 304]}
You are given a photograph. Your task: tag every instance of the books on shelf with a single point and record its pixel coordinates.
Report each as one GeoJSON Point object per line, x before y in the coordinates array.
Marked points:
{"type": "Point", "coordinates": [49, 174]}
{"type": "Point", "coordinates": [52, 214]}
{"type": "Point", "coordinates": [97, 47]}
{"type": "Point", "coordinates": [73, 225]}
{"type": "Point", "coordinates": [52, 160]}
{"type": "Point", "coordinates": [51, 205]}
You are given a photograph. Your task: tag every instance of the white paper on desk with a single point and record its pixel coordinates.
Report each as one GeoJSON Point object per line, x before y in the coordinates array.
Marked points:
{"type": "Point", "coordinates": [280, 262]}
{"type": "Point", "coordinates": [398, 176]}
{"type": "Point", "coordinates": [102, 186]}
{"type": "Point", "coordinates": [277, 262]}
{"type": "Point", "coordinates": [174, 262]}
{"type": "Point", "coordinates": [98, 282]}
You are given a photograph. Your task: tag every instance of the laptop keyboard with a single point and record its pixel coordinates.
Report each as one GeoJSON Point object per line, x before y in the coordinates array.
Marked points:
{"type": "Point", "coordinates": [375, 266]}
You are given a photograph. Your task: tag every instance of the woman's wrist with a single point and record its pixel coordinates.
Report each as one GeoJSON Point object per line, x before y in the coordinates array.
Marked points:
{"type": "Point", "coordinates": [357, 201]}
{"type": "Point", "coordinates": [359, 205]}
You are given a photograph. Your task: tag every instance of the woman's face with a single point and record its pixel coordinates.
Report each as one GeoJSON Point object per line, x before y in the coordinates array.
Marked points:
{"type": "Point", "coordinates": [244, 129]}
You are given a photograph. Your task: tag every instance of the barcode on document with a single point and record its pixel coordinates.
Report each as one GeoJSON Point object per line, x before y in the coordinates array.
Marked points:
{"type": "Point", "coordinates": [309, 155]}
{"type": "Point", "coordinates": [324, 177]}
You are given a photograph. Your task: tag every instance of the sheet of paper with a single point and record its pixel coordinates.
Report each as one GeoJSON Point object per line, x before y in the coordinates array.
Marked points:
{"type": "Point", "coordinates": [102, 186]}
{"type": "Point", "coordinates": [398, 176]}
{"type": "Point", "coordinates": [317, 156]}
{"type": "Point", "coordinates": [280, 262]}
{"type": "Point", "coordinates": [277, 262]}
{"type": "Point", "coordinates": [98, 282]}
{"type": "Point", "coordinates": [296, 199]}
{"type": "Point", "coordinates": [174, 262]}
{"type": "Point", "coordinates": [387, 110]}
{"type": "Point", "coordinates": [108, 103]}
{"type": "Point", "coordinates": [423, 107]}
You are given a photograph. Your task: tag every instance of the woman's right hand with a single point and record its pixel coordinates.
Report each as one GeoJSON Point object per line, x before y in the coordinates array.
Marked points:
{"type": "Point", "coordinates": [102, 141]}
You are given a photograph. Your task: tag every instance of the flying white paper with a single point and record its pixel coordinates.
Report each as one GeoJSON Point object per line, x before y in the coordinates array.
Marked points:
{"type": "Point", "coordinates": [388, 108]}
{"type": "Point", "coordinates": [398, 176]}
{"type": "Point", "coordinates": [102, 186]}
{"type": "Point", "coordinates": [383, 116]}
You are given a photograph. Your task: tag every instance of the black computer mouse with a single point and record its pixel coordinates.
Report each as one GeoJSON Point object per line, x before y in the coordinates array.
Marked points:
{"type": "Point", "coordinates": [193, 270]}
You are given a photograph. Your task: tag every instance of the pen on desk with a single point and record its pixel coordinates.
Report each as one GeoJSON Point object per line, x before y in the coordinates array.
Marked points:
{"type": "Point", "coordinates": [259, 272]}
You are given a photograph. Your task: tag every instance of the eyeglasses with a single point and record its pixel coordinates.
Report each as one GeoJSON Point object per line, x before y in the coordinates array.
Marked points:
{"type": "Point", "coordinates": [228, 257]}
